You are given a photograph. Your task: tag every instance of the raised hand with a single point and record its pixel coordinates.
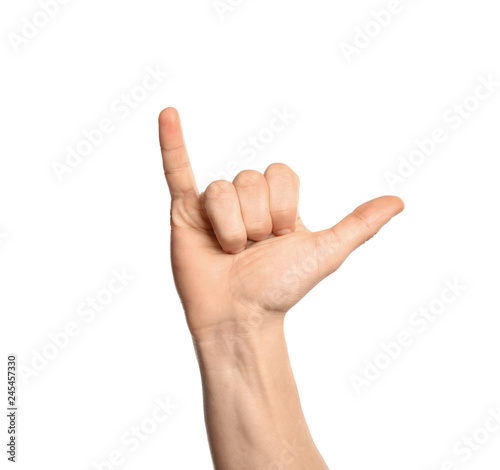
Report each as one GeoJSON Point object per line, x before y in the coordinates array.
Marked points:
{"type": "Point", "coordinates": [241, 258]}
{"type": "Point", "coordinates": [240, 249]}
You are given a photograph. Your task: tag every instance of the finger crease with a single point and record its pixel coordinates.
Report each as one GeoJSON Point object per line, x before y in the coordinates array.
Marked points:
{"type": "Point", "coordinates": [178, 168]}
{"type": "Point", "coordinates": [172, 149]}
{"type": "Point", "coordinates": [361, 218]}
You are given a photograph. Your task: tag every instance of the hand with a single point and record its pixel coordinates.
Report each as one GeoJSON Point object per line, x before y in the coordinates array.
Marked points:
{"type": "Point", "coordinates": [241, 255]}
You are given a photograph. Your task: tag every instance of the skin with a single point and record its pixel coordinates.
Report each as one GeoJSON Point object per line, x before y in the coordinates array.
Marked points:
{"type": "Point", "coordinates": [241, 258]}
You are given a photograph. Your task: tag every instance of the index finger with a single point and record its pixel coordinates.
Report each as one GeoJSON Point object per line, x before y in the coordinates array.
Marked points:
{"type": "Point", "coordinates": [176, 164]}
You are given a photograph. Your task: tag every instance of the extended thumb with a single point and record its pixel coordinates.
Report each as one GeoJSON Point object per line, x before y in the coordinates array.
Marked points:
{"type": "Point", "coordinates": [335, 244]}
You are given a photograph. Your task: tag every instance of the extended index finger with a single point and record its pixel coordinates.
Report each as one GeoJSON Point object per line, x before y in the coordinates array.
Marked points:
{"type": "Point", "coordinates": [176, 164]}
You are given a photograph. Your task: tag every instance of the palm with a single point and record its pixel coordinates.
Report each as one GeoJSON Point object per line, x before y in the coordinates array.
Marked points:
{"type": "Point", "coordinates": [264, 277]}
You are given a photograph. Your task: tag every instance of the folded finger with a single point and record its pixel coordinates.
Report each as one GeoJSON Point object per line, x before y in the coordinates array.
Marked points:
{"type": "Point", "coordinates": [221, 204]}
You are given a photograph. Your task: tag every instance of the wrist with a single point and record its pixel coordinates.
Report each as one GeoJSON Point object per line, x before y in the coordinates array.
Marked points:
{"type": "Point", "coordinates": [240, 344]}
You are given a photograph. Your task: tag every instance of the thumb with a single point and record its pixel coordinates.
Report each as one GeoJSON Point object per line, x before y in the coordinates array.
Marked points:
{"type": "Point", "coordinates": [335, 244]}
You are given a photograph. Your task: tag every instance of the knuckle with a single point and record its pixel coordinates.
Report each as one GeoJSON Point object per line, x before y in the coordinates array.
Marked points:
{"type": "Point", "coordinates": [248, 179]}
{"type": "Point", "coordinates": [283, 172]}
{"type": "Point", "coordinates": [278, 167]}
{"type": "Point", "coordinates": [220, 189]}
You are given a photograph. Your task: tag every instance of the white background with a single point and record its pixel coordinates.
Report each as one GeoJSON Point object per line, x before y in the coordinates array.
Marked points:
{"type": "Point", "coordinates": [60, 241]}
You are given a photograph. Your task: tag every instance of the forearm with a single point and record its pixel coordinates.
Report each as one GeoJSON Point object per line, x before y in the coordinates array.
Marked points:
{"type": "Point", "coordinates": [252, 408]}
